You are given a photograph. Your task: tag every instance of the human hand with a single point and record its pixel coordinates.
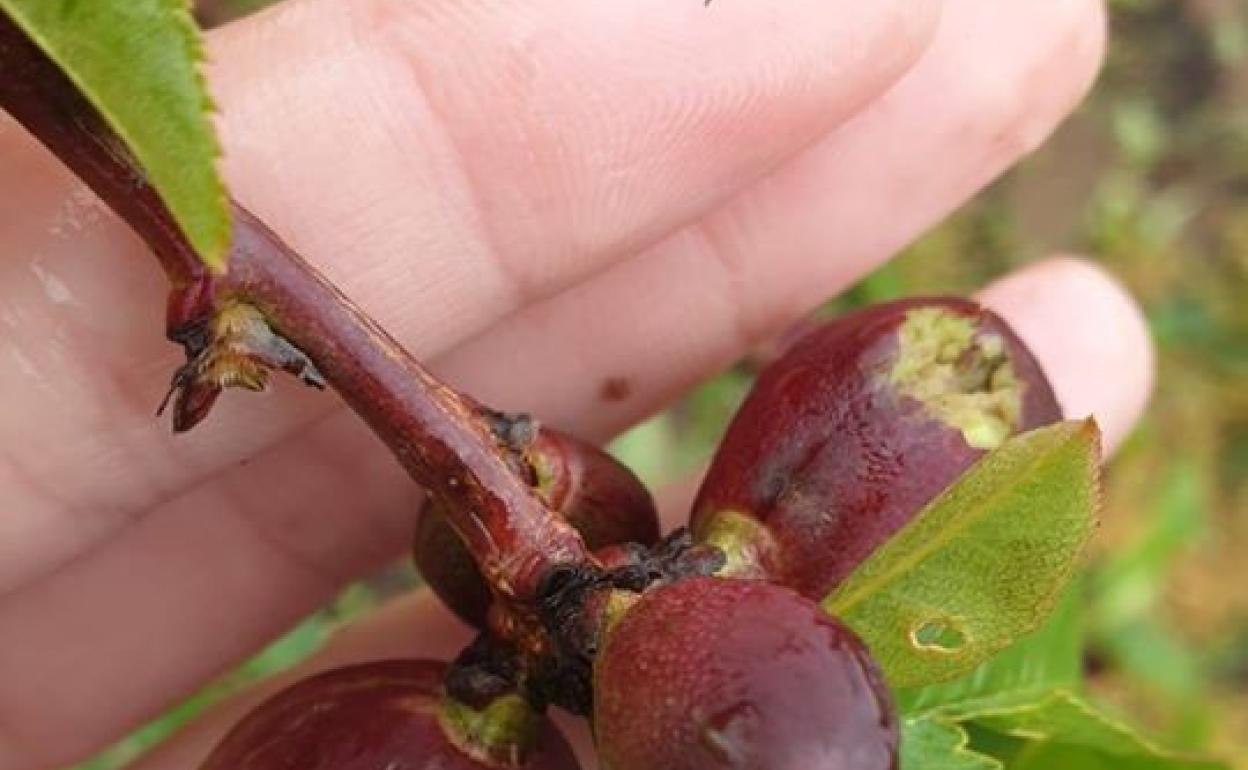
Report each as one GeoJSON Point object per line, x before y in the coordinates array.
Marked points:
{"type": "Point", "coordinates": [540, 199]}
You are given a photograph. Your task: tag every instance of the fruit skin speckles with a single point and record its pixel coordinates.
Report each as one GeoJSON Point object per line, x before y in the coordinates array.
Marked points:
{"type": "Point", "coordinates": [710, 674]}
{"type": "Point", "coordinates": [856, 428]}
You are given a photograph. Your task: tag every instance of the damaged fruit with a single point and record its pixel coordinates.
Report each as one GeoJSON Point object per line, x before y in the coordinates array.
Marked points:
{"type": "Point", "coordinates": [855, 428]}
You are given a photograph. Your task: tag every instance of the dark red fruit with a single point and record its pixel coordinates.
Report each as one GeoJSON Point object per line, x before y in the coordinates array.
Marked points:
{"type": "Point", "coordinates": [713, 673]}
{"type": "Point", "coordinates": [385, 716]}
{"type": "Point", "coordinates": [597, 494]}
{"type": "Point", "coordinates": [857, 427]}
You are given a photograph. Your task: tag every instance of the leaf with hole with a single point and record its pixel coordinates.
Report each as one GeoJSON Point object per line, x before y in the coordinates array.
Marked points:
{"type": "Point", "coordinates": [1049, 658]}
{"type": "Point", "coordinates": [983, 564]}
{"type": "Point", "coordinates": [136, 62]}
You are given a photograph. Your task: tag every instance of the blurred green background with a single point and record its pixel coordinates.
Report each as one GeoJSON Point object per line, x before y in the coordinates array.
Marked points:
{"type": "Point", "coordinates": [1150, 177]}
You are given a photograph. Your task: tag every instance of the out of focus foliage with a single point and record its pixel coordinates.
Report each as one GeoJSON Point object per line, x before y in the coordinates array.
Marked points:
{"type": "Point", "coordinates": [1151, 179]}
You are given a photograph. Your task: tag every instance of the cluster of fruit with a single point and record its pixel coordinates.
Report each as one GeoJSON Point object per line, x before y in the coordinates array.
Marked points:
{"type": "Point", "coordinates": [708, 648]}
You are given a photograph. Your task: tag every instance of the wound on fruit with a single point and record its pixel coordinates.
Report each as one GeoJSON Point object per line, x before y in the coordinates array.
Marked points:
{"type": "Point", "coordinates": [855, 428]}
{"type": "Point", "coordinates": [964, 379]}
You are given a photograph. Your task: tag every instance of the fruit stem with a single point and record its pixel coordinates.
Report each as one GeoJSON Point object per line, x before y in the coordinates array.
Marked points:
{"type": "Point", "coordinates": [443, 439]}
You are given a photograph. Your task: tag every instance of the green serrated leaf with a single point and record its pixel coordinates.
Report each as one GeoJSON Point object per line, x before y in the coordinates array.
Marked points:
{"type": "Point", "coordinates": [135, 61]}
{"type": "Point", "coordinates": [1061, 756]}
{"type": "Point", "coordinates": [1063, 719]}
{"type": "Point", "coordinates": [983, 564]}
{"type": "Point", "coordinates": [927, 744]}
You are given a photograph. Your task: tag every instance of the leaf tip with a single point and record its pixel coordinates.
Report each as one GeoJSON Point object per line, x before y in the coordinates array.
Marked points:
{"type": "Point", "coordinates": [1090, 429]}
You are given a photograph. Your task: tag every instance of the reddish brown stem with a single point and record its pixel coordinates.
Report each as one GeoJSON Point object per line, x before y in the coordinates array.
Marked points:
{"type": "Point", "coordinates": [439, 436]}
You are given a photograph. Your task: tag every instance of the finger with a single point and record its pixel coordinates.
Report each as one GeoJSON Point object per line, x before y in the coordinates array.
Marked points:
{"type": "Point", "coordinates": [444, 162]}
{"type": "Point", "coordinates": [992, 86]}
{"type": "Point", "coordinates": [288, 554]}
{"type": "Point", "coordinates": [1107, 375]}
{"type": "Point", "coordinates": [1101, 323]}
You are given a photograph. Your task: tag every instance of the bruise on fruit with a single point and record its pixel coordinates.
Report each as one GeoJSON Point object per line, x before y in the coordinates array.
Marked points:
{"type": "Point", "coordinates": [962, 378]}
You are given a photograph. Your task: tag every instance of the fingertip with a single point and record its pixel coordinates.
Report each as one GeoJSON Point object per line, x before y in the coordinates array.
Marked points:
{"type": "Point", "coordinates": [1088, 333]}
{"type": "Point", "coordinates": [1087, 35]}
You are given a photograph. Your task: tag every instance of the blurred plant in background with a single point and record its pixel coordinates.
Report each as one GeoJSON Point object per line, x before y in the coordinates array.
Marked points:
{"type": "Point", "coordinates": [1150, 178]}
